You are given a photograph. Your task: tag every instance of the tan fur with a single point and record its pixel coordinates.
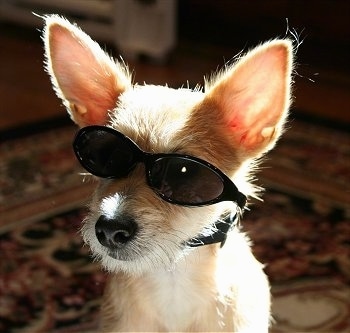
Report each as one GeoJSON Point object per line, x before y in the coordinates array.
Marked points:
{"type": "Point", "coordinates": [157, 284]}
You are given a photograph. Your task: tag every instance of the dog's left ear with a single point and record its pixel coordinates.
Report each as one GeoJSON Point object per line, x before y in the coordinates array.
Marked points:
{"type": "Point", "coordinates": [87, 80]}
{"type": "Point", "coordinates": [251, 99]}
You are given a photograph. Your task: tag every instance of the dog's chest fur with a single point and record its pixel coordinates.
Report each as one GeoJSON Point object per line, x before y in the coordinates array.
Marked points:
{"type": "Point", "coordinates": [206, 291]}
{"type": "Point", "coordinates": [185, 298]}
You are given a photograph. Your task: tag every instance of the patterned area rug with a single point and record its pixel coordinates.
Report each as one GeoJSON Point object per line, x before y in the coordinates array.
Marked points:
{"type": "Point", "coordinates": [39, 176]}
{"type": "Point", "coordinates": [307, 256]}
{"type": "Point", "coordinates": [313, 162]}
{"type": "Point", "coordinates": [302, 232]}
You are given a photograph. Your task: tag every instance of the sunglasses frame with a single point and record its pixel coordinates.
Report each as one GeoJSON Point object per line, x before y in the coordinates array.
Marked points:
{"type": "Point", "coordinates": [229, 193]}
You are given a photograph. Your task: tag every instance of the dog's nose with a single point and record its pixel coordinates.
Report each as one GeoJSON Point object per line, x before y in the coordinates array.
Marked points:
{"type": "Point", "coordinates": [116, 232]}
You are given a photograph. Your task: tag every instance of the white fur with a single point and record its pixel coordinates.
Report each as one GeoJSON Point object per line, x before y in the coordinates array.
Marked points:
{"type": "Point", "coordinates": [157, 283]}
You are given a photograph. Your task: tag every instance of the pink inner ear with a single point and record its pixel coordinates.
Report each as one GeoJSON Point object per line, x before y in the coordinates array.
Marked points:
{"type": "Point", "coordinates": [85, 75]}
{"type": "Point", "coordinates": [254, 94]}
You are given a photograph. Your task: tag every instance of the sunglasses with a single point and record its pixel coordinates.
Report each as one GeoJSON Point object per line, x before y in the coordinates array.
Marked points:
{"type": "Point", "coordinates": [176, 178]}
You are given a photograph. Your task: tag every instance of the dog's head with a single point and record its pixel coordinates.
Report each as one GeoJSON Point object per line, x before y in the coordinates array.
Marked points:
{"type": "Point", "coordinates": [133, 225]}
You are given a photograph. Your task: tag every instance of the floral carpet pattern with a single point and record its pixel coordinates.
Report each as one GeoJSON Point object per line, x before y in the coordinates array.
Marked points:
{"type": "Point", "coordinates": [48, 282]}
{"type": "Point", "coordinates": [307, 257]}
{"type": "Point", "coordinates": [313, 162]}
{"type": "Point", "coordinates": [36, 174]}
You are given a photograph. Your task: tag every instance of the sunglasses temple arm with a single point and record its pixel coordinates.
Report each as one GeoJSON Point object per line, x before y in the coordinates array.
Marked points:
{"type": "Point", "coordinates": [241, 199]}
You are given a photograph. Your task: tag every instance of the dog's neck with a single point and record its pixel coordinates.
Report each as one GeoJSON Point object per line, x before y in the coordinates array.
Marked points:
{"type": "Point", "coordinates": [191, 282]}
{"type": "Point", "coordinates": [193, 288]}
{"type": "Point", "coordinates": [221, 228]}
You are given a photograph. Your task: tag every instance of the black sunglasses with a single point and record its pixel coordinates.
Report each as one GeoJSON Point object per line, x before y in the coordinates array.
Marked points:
{"type": "Point", "coordinates": [176, 178]}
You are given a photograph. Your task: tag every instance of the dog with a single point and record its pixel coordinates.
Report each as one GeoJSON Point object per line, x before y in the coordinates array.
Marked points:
{"type": "Point", "coordinates": [174, 170]}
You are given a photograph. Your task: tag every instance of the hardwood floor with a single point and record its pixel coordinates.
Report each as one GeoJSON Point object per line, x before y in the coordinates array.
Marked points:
{"type": "Point", "coordinates": [27, 97]}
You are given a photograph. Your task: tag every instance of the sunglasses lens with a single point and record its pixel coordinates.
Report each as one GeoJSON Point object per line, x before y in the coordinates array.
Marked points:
{"type": "Point", "coordinates": [185, 181]}
{"type": "Point", "coordinates": [103, 153]}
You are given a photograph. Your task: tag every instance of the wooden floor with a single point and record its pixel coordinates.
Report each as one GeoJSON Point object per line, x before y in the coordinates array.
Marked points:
{"type": "Point", "coordinates": [26, 95]}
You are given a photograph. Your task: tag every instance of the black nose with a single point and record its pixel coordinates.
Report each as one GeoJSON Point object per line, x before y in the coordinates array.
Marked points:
{"type": "Point", "coordinates": [115, 233]}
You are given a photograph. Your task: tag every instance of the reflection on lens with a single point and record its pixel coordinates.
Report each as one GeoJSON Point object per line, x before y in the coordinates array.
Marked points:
{"type": "Point", "coordinates": [184, 180]}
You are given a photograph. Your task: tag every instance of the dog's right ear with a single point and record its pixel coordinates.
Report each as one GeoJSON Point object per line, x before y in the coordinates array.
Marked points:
{"type": "Point", "coordinates": [87, 80]}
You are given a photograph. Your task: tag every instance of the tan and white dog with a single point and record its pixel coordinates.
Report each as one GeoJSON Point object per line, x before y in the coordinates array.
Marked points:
{"type": "Point", "coordinates": [173, 167]}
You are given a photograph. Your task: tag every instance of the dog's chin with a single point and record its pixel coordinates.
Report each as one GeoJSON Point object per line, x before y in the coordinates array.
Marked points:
{"type": "Point", "coordinates": [137, 266]}
{"type": "Point", "coordinates": [117, 256]}
{"type": "Point", "coordinates": [139, 262]}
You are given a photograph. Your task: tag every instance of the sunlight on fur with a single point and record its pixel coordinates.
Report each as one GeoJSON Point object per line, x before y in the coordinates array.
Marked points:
{"type": "Point", "coordinates": [158, 281]}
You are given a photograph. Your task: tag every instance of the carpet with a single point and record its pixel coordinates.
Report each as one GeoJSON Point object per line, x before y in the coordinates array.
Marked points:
{"type": "Point", "coordinates": [48, 282]}
{"type": "Point", "coordinates": [39, 176]}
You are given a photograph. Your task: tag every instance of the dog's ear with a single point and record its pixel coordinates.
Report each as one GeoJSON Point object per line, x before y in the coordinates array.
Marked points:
{"type": "Point", "coordinates": [251, 98]}
{"type": "Point", "coordinates": [86, 79]}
